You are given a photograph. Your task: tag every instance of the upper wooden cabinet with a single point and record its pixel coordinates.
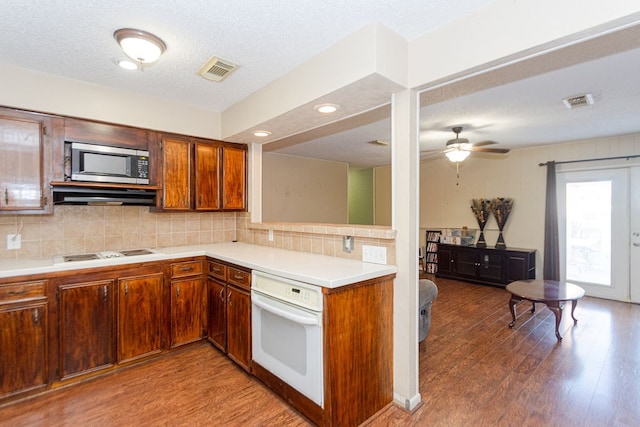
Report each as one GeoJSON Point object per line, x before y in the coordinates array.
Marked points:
{"type": "Point", "coordinates": [26, 141]}
{"type": "Point", "coordinates": [77, 130]}
{"type": "Point", "coordinates": [201, 175]}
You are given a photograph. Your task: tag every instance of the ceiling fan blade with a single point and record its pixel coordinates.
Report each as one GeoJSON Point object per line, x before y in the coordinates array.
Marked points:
{"type": "Point", "coordinates": [483, 143]}
{"type": "Point", "coordinates": [490, 150]}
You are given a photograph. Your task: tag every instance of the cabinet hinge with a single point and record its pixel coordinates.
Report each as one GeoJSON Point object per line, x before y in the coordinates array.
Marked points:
{"type": "Point", "coordinates": [58, 294]}
{"type": "Point", "coordinates": [44, 130]}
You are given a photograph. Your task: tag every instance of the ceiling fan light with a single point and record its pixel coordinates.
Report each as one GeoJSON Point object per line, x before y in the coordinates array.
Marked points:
{"type": "Point", "coordinates": [457, 155]}
{"type": "Point", "coordinates": [139, 45]}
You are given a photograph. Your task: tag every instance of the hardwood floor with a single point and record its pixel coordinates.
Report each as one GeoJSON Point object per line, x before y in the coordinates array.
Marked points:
{"type": "Point", "coordinates": [474, 370]}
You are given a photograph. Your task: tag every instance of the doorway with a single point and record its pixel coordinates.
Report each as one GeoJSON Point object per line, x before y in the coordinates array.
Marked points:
{"type": "Point", "coordinates": [598, 212]}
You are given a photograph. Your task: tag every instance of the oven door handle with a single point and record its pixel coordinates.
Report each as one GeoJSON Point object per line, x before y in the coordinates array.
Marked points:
{"type": "Point", "coordinates": [285, 314]}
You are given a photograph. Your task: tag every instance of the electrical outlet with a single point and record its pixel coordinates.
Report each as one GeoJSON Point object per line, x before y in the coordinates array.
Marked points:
{"type": "Point", "coordinates": [270, 237]}
{"type": "Point", "coordinates": [375, 254]}
{"type": "Point", "coordinates": [14, 241]}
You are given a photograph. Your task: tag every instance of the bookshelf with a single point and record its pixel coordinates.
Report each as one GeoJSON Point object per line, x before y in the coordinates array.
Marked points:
{"type": "Point", "coordinates": [431, 251]}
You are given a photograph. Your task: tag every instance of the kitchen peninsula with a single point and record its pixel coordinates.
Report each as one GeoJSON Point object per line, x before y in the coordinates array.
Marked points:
{"type": "Point", "coordinates": [41, 300]}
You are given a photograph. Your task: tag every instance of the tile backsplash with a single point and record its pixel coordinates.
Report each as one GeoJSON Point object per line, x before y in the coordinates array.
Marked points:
{"type": "Point", "coordinates": [80, 229]}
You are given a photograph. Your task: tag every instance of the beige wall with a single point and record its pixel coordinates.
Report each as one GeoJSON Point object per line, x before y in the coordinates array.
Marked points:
{"type": "Point", "coordinates": [81, 229]}
{"type": "Point", "coordinates": [382, 195]}
{"type": "Point", "coordinates": [443, 204]}
{"type": "Point", "coordinates": [299, 189]}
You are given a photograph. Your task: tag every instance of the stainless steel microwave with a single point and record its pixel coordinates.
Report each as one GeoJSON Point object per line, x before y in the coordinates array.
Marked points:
{"type": "Point", "coordinates": [102, 163]}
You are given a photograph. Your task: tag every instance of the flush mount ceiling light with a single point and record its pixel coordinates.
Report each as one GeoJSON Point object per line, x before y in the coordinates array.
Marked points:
{"type": "Point", "coordinates": [142, 47]}
{"type": "Point", "coordinates": [261, 133]}
{"type": "Point", "coordinates": [326, 108]}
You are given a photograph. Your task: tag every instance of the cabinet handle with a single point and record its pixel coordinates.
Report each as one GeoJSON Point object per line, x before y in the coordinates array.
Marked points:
{"type": "Point", "coordinates": [126, 289]}
{"type": "Point", "coordinates": [6, 196]}
{"type": "Point", "coordinates": [238, 276]}
{"type": "Point", "coordinates": [36, 316]}
{"type": "Point", "coordinates": [105, 293]}
{"type": "Point", "coordinates": [229, 297]}
{"type": "Point", "coordinates": [178, 291]}
{"type": "Point", "coordinates": [215, 270]}
{"type": "Point", "coordinates": [186, 268]}
{"type": "Point", "coordinates": [221, 296]}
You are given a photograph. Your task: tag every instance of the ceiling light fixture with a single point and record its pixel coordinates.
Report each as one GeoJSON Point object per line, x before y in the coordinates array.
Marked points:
{"type": "Point", "coordinates": [457, 155]}
{"type": "Point", "coordinates": [326, 108]}
{"type": "Point", "coordinates": [128, 65]}
{"type": "Point", "coordinates": [142, 47]}
{"type": "Point", "coordinates": [261, 133]}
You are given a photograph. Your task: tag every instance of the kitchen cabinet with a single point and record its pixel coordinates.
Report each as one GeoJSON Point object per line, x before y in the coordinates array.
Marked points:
{"type": "Point", "coordinates": [23, 338]}
{"type": "Point", "coordinates": [187, 303]}
{"type": "Point", "coordinates": [234, 177]}
{"type": "Point", "coordinates": [86, 327]}
{"type": "Point", "coordinates": [140, 317]}
{"type": "Point", "coordinates": [230, 311]}
{"type": "Point", "coordinates": [26, 141]}
{"type": "Point", "coordinates": [489, 266]}
{"type": "Point", "coordinates": [202, 175]}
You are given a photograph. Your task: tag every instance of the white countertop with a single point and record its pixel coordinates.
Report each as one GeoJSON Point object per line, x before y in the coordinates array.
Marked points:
{"type": "Point", "coordinates": [325, 271]}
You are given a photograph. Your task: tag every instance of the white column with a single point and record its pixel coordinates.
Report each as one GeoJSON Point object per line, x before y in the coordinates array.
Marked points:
{"type": "Point", "coordinates": [405, 182]}
{"type": "Point", "coordinates": [255, 181]}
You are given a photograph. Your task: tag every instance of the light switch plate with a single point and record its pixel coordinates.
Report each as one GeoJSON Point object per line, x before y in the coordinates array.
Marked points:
{"type": "Point", "coordinates": [270, 236]}
{"type": "Point", "coordinates": [375, 254]}
{"type": "Point", "coordinates": [14, 241]}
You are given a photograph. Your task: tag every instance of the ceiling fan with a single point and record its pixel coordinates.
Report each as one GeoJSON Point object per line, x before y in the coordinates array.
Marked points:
{"type": "Point", "coordinates": [459, 149]}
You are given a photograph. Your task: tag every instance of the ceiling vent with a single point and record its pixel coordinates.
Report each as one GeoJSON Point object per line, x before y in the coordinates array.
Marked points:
{"type": "Point", "coordinates": [217, 69]}
{"type": "Point", "coordinates": [578, 101]}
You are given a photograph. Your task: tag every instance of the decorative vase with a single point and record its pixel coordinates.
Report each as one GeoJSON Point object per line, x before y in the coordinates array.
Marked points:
{"type": "Point", "coordinates": [500, 242]}
{"type": "Point", "coordinates": [481, 243]}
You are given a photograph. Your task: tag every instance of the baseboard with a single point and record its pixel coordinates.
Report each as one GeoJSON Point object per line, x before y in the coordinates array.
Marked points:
{"type": "Point", "coordinates": [409, 405]}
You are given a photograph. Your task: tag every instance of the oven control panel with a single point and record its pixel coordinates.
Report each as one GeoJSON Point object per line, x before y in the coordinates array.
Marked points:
{"type": "Point", "coordinates": [292, 291]}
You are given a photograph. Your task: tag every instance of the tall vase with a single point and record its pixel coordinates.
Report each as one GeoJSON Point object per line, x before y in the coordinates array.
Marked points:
{"type": "Point", "coordinates": [481, 243]}
{"type": "Point", "coordinates": [500, 242]}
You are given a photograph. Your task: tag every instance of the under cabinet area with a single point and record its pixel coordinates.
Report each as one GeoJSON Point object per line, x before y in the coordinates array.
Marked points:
{"type": "Point", "coordinates": [24, 338]}
{"type": "Point", "coordinates": [489, 266]}
{"type": "Point", "coordinates": [229, 316]}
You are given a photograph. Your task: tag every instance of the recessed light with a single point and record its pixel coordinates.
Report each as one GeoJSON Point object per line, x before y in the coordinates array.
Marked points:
{"type": "Point", "coordinates": [128, 65]}
{"type": "Point", "coordinates": [261, 133]}
{"type": "Point", "coordinates": [326, 108]}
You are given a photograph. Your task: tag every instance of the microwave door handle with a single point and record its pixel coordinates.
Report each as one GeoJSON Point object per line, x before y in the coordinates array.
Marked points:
{"type": "Point", "coordinates": [285, 314]}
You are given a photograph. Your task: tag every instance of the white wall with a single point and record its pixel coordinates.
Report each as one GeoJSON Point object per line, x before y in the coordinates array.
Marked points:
{"type": "Point", "coordinates": [443, 204]}
{"type": "Point", "coordinates": [31, 90]}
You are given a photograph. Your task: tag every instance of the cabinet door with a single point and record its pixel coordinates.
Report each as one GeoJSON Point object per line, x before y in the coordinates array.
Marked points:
{"type": "Point", "coordinates": [239, 326]}
{"type": "Point", "coordinates": [23, 347]}
{"type": "Point", "coordinates": [176, 174]}
{"type": "Point", "coordinates": [234, 178]}
{"type": "Point", "coordinates": [207, 161]}
{"type": "Point", "coordinates": [217, 314]}
{"type": "Point", "coordinates": [139, 317]}
{"type": "Point", "coordinates": [518, 267]}
{"type": "Point", "coordinates": [86, 329]}
{"type": "Point", "coordinates": [490, 265]}
{"type": "Point", "coordinates": [186, 311]}
{"type": "Point", "coordinates": [445, 260]}
{"type": "Point", "coordinates": [24, 162]}
{"type": "Point", "coordinates": [466, 262]}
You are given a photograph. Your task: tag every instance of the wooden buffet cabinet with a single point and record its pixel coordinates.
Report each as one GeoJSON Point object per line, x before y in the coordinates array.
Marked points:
{"type": "Point", "coordinates": [489, 266]}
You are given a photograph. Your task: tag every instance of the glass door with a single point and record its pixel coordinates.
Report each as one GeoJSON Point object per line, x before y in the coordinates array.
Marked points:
{"type": "Point", "coordinates": [594, 223]}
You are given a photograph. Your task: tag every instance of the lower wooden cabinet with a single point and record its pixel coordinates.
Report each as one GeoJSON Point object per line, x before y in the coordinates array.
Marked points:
{"type": "Point", "coordinates": [86, 327]}
{"type": "Point", "coordinates": [140, 316]}
{"type": "Point", "coordinates": [188, 306]}
{"type": "Point", "coordinates": [486, 265]}
{"type": "Point", "coordinates": [229, 317]}
{"type": "Point", "coordinates": [23, 338]}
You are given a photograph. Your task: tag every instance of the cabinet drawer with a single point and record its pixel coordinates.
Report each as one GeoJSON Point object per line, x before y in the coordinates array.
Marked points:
{"type": "Point", "coordinates": [184, 269]}
{"type": "Point", "coordinates": [239, 278]}
{"type": "Point", "coordinates": [22, 291]}
{"type": "Point", "coordinates": [218, 270]}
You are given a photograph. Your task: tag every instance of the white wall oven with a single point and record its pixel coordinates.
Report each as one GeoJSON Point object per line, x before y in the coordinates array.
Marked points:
{"type": "Point", "coordinates": [287, 332]}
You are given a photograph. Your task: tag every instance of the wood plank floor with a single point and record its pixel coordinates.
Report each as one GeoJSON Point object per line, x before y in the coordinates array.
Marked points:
{"type": "Point", "coordinates": [474, 371]}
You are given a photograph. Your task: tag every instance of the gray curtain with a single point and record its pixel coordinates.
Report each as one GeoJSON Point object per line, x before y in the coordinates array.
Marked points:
{"type": "Point", "coordinates": [551, 270]}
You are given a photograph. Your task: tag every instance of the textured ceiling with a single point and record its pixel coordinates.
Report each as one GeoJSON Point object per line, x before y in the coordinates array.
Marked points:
{"type": "Point", "coordinates": [516, 106]}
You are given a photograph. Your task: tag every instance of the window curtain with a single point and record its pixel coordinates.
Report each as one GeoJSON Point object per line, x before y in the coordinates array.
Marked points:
{"type": "Point", "coordinates": [551, 269]}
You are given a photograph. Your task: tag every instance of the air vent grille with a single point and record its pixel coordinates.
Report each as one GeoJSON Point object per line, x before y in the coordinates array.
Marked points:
{"type": "Point", "coordinates": [217, 69]}
{"type": "Point", "coordinates": [578, 101]}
